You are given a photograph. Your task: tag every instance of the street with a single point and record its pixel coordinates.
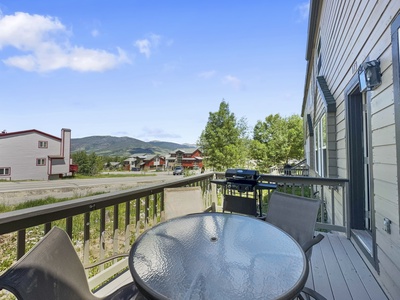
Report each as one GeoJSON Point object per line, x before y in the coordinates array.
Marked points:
{"type": "Point", "coordinates": [13, 192]}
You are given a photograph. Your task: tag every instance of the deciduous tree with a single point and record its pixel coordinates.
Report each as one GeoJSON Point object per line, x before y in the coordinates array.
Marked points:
{"type": "Point", "coordinates": [277, 140]}
{"type": "Point", "coordinates": [223, 141]}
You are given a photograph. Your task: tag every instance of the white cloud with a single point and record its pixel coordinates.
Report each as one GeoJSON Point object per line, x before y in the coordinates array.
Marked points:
{"type": "Point", "coordinates": [304, 9]}
{"type": "Point", "coordinates": [144, 47]}
{"type": "Point", "coordinates": [44, 42]}
{"type": "Point", "coordinates": [207, 74]}
{"type": "Point", "coordinates": [157, 133]}
{"type": "Point", "coordinates": [233, 81]}
{"type": "Point", "coordinates": [148, 45]}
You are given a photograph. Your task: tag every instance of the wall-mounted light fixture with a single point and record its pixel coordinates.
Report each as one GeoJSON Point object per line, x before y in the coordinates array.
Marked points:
{"type": "Point", "coordinates": [369, 75]}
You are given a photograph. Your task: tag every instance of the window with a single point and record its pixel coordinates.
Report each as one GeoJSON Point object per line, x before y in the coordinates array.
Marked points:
{"type": "Point", "coordinates": [320, 147]}
{"type": "Point", "coordinates": [43, 144]}
{"type": "Point", "coordinates": [5, 171]}
{"type": "Point", "coordinates": [40, 161]}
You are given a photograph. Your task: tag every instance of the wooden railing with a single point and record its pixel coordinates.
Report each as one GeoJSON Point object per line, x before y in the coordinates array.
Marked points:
{"type": "Point", "coordinates": [99, 226]}
{"type": "Point", "coordinates": [105, 225]}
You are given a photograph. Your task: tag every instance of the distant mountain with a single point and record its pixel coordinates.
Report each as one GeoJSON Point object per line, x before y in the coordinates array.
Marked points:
{"type": "Point", "coordinates": [123, 146]}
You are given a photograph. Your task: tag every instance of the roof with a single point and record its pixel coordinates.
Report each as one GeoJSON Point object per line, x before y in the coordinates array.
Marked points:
{"type": "Point", "coordinates": [56, 156]}
{"type": "Point", "coordinates": [313, 19]}
{"type": "Point", "coordinates": [187, 150]}
{"type": "Point", "coordinates": [25, 132]}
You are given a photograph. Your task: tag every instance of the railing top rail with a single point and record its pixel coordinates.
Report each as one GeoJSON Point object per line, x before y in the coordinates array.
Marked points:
{"type": "Point", "coordinates": [299, 179]}
{"type": "Point", "coordinates": [24, 218]}
{"type": "Point", "coordinates": [305, 180]}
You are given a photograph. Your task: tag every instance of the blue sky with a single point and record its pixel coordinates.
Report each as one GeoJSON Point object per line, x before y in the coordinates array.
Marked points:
{"type": "Point", "coordinates": [151, 70]}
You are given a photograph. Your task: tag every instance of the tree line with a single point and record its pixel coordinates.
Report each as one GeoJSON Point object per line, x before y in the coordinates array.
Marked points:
{"type": "Point", "coordinates": [92, 164]}
{"type": "Point", "coordinates": [227, 142]}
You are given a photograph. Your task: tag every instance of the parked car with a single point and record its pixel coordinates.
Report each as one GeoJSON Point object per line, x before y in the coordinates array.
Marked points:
{"type": "Point", "coordinates": [178, 170]}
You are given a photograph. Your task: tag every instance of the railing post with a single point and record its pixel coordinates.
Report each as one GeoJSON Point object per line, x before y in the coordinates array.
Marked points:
{"type": "Point", "coordinates": [146, 212]}
{"type": "Point", "coordinates": [102, 237]}
{"type": "Point", "coordinates": [137, 219]}
{"type": "Point", "coordinates": [21, 243]}
{"type": "Point", "coordinates": [47, 227]}
{"type": "Point", "coordinates": [154, 209]}
{"type": "Point", "coordinates": [68, 226]}
{"type": "Point", "coordinates": [115, 229]}
{"type": "Point", "coordinates": [346, 201]}
{"type": "Point", "coordinates": [127, 225]}
{"type": "Point", "coordinates": [86, 238]}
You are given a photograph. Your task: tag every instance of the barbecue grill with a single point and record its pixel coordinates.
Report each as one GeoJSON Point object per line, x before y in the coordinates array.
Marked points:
{"type": "Point", "coordinates": [243, 181]}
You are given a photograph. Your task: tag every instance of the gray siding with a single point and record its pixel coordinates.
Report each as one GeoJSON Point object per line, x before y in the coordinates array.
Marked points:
{"type": "Point", "coordinates": [21, 151]}
{"type": "Point", "coordinates": [351, 33]}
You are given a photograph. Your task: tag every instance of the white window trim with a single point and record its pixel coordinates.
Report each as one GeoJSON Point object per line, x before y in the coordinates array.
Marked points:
{"type": "Point", "coordinates": [6, 171]}
{"type": "Point", "coordinates": [43, 144]}
{"type": "Point", "coordinates": [40, 162]}
{"type": "Point", "coordinates": [320, 143]}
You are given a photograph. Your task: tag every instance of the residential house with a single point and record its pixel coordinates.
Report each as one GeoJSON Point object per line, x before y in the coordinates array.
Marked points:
{"type": "Point", "coordinates": [134, 162]}
{"type": "Point", "coordinates": [188, 158]}
{"type": "Point", "coordinates": [142, 161]}
{"type": "Point", "coordinates": [352, 122]}
{"type": "Point", "coordinates": [34, 155]}
{"type": "Point", "coordinates": [155, 161]}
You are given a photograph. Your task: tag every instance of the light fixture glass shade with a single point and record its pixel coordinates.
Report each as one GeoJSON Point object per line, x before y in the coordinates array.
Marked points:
{"type": "Point", "coordinates": [369, 75]}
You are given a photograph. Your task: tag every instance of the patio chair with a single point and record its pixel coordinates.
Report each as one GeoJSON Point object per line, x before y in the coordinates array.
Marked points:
{"type": "Point", "coordinates": [297, 216]}
{"type": "Point", "coordinates": [183, 201]}
{"type": "Point", "coordinates": [240, 205]}
{"type": "Point", "coordinates": [53, 270]}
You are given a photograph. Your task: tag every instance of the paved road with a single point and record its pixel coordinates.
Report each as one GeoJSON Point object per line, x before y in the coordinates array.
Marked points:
{"type": "Point", "coordinates": [14, 186]}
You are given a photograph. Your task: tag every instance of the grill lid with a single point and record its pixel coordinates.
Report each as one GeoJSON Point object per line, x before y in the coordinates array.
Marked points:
{"type": "Point", "coordinates": [241, 174]}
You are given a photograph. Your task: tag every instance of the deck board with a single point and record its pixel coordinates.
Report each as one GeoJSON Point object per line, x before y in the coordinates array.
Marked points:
{"type": "Point", "coordinates": [336, 260]}
{"type": "Point", "coordinates": [337, 272]}
{"type": "Point", "coordinates": [348, 271]}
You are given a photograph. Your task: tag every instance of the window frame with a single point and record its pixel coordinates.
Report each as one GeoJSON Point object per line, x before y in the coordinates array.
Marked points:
{"type": "Point", "coordinates": [4, 171]}
{"type": "Point", "coordinates": [321, 145]}
{"type": "Point", "coordinates": [40, 162]}
{"type": "Point", "coordinates": [43, 144]}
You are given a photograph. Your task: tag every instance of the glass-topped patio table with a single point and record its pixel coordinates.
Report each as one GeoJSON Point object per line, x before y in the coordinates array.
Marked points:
{"type": "Point", "coordinates": [217, 256]}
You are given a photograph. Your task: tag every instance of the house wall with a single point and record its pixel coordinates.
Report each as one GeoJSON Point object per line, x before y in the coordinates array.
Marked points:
{"type": "Point", "coordinates": [20, 152]}
{"type": "Point", "coordinates": [353, 32]}
{"type": "Point", "coordinates": [59, 166]}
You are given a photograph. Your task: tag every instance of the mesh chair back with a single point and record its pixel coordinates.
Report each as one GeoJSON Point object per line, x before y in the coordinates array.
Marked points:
{"type": "Point", "coordinates": [240, 205]}
{"type": "Point", "coordinates": [294, 214]}
{"type": "Point", "coordinates": [50, 270]}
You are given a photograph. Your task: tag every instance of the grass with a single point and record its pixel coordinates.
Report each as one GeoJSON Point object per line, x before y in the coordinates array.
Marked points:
{"type": "Point", "coordinates": [33, 203]}
{"type": "Point", "coordinates": [80, 176]}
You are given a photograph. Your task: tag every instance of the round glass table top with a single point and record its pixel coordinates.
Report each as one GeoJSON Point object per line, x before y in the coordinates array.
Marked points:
{"type": "Point", "coordinates": [217, 256]}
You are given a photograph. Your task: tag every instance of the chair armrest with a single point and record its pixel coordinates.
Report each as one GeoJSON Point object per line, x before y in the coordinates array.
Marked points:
{"type": "Point", "coordinates": [312, 242]}
{"type": "Point", "coordinates": [104, 260]}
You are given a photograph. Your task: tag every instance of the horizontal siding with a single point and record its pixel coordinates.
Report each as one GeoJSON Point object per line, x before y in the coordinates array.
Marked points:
{"type": "Point", "coordinates": [351, 33]}
{"type": "Point", "coordinates": [385, 172]}
{"type": "Point", "coordinates": [23, 166]}
{"type": "Point", "coordinates": [386, 190]}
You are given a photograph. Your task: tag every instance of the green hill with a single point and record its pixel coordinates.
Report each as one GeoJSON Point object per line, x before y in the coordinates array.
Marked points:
{"type": "Point", "coordinates": [122, 146]}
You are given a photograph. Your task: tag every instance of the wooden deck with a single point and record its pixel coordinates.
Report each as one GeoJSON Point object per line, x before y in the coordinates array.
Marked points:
{"type": "Point", "coordinates": [337, 272]}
